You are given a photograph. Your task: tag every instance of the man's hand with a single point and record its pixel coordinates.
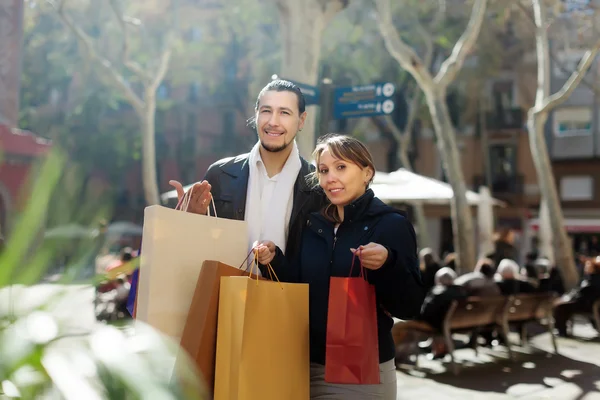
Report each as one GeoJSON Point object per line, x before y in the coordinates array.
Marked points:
{"type": "Point", "coordinates": [266, 251]}
{"type": "Point", "coordinates": [372, 255]}
{"type": "Point", "coordinates": [201, 196]}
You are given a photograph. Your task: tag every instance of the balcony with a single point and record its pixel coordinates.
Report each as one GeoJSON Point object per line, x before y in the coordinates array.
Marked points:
{"type": "Point", "coordinates": [511, 118]}
{"type": "Point", "coordinates": [502, 186]}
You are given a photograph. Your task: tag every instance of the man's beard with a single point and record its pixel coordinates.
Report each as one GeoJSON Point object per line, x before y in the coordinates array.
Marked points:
{"type": "Point", "coordinates": [275, 149]}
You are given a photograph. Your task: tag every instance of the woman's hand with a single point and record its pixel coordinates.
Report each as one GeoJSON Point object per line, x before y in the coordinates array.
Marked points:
{"type": "Point", "coordinates": [372, 255]}
{"type": "Point", "coordinates": [266, 251]}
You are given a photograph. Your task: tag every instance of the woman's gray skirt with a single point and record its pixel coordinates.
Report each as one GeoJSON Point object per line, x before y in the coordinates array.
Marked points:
{"type": "Point", "coordinates": [386, 390]}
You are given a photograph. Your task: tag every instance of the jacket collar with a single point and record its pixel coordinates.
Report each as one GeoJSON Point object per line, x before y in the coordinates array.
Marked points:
{"type": "Point", "coordinates": [239, 167]}
{"type": "Point", "coordinates": [358, 207]}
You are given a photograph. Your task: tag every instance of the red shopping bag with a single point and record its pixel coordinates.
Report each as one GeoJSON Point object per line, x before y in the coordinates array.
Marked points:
{"type": "Point", "coordinates": [352, 347]}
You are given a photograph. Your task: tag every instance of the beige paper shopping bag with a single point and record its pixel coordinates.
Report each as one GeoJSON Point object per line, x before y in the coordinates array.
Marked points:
{"type": "Point", "coordinates": [174, 246]}
{"type": "Point", "coordinates": [262, 341]}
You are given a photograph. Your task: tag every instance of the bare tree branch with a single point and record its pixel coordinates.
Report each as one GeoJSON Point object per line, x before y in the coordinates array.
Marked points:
{"type": "Point", "coordinates": [163, 66]}
{"type": "Point", "coordinates": [404, 54]}
{"type": "Point", "coordinates": [542, 52]}
{"type": "Point", "coordinates": [454, 63]}
{"type": "Point", "coordinates": [555, 60]}
{"type": "Point", "coordinates": [576, 77]}
{"type": "Point", "coordinates": [132, 65]}
{"type": "Point", "coordinates": [117, 79]}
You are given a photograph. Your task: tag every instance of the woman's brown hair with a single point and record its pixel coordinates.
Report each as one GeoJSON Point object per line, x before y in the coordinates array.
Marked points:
{"type": "Point", "coordinates": [344, 148]}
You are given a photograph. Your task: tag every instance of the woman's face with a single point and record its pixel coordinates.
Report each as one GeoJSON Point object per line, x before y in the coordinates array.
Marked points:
{"type": "Point", "coordinates": [343, 181]}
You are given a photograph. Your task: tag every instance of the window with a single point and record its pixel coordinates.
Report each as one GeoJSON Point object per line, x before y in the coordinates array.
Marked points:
{"type": "Point", "coordinates": [572, 122]}
{"type": "Point", "coordinates": [576, 188]}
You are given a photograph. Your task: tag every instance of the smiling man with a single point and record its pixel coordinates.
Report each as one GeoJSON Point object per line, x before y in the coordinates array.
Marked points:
{"type": "Point", "coordinates": [268, 187]}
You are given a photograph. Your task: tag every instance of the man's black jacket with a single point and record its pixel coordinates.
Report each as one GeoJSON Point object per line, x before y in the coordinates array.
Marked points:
{"type": "Point", "coordinates": [229, 180]}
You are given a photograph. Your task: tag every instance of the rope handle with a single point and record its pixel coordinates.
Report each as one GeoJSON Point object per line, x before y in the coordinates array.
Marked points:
{"type": "Point", "coordinates": [184, 202]}
{"type": "Point", "coordinates": [270, 269]}
{"type": "Point", "coordinates": [362, 269]}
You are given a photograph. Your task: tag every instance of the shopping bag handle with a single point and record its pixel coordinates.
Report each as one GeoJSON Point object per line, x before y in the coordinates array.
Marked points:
{"type": "Point", "coordinates": [362, 269]}
{"type": "Point", "coordinates": [270, 269]}
{"type": "Point", "coordinates": [184, 202]}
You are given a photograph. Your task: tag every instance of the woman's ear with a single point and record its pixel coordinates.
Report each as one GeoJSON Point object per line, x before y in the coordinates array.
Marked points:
{"type": "Point", "coordinates": [369, 175]}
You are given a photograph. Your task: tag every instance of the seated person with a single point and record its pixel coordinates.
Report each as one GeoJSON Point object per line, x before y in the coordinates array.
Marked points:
{"type": "Point", "coordinates": [433, 311]}
{"type": "Point", "coordinates": [579, 299]}
{"type": "Point", "coordinates": [481, 281]}
{"type": "Point", "coordinates": [550, 279]}
{"type": "Point", "coordinates": [529, 271]}
{"type": "Point", "coordinates": [430, 265]}
{"type": "Point", "coordinates": [509, 280]}
{"type": "Point", "coordinates": [438, 300]}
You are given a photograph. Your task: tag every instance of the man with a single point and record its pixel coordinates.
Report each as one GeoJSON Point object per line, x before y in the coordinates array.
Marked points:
{"type": "Point", "coordinates": [269, 187]}
{"type": "Point", "coordinates": [481, 281]}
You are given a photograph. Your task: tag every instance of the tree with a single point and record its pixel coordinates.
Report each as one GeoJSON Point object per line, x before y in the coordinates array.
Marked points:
{"type": "Point", "coordinates": [302, 24]}
{"type": "Point", "coordinates": [537, 117]}
{"type": "Point", "coordinates": [435, 90]}
{"type": "Point", "coordinates": [150, 78]}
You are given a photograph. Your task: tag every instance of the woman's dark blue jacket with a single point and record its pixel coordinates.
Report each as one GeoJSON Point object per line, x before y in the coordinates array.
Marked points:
{"type": "Point", "coordinates": [324, 254]}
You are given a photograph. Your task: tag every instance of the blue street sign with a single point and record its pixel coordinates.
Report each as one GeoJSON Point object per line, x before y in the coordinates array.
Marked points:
{"type": "Point", "coordinates": [312, 94]}
{"type": "Point", "coordinates": [364, 101]}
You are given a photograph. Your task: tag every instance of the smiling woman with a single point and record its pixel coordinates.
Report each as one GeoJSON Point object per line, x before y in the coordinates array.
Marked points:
{"type": "Point", "coordinates": [345, 169]}
{"type": "Point", "coordinates": [354, 224]}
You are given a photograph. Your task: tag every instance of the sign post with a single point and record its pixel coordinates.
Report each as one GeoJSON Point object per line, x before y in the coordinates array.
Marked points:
{"type": "Point", "coordinates": [364, 101]}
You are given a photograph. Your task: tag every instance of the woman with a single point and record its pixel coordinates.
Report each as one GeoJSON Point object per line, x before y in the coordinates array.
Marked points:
{"type": "Point", "coordinates": [353, 220]}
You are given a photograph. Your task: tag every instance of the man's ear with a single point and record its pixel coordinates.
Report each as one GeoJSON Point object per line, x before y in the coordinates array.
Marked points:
{"type": "Point", "coordinates": [302, 120]}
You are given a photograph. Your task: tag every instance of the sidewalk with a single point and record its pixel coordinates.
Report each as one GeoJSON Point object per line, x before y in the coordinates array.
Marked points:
{"type": "Point", "coordinates": [536, 373]}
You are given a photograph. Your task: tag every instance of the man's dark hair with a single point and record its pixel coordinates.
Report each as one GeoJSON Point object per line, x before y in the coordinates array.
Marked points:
{"type": "Point", "coordinates": [531, 256]}
{"type": "Point", "coordinates": [488, 270]}
{"type": "Point", "coordinates": [280, 85]}
{"type": "Point", "coordinates": [486, 266]}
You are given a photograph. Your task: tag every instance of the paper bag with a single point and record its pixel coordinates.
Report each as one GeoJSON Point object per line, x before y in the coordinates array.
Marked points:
{"type": "Point", "coordinates": [175, 245]}
{"type": "Point", "coordinates": [199, 337]}
{"type": "Point", "coordinates": [262, 341]}
{"type": "Point", "coordinates": [352, 344]}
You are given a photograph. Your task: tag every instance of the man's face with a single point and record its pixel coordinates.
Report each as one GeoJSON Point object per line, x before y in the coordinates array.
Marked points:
{"type": "Point", "coordinates": [278, 120]}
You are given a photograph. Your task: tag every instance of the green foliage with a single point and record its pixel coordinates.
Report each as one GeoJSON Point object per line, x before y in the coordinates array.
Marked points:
{"type": "Point", "coordinates": [42, 357]}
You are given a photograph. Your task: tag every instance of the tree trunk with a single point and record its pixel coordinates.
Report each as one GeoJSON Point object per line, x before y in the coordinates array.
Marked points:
{"type": "Point", "coordinates": [546, 249]}
{"type": "Point", "coordinates": [422, 230]}
{"type": "Point", "coordinates": [539, 153]}
{"type": "Point", "coordinates": [462, 221]}
{"type": "Point", "coordinates": [147, 124]}
{"type": "Point", "coordinates": [302, 24]}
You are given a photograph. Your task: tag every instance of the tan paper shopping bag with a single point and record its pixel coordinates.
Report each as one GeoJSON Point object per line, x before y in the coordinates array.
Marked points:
{"type": "Point", "coordinates": [262, 341]}
{"type": "Point", "coordinates": [199, 337]}
{"type": "Point", "coordinates": [174, 246]}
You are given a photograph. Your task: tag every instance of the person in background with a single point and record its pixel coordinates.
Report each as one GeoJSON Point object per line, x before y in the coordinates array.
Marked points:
{"type": "Point", "coordinates": [504, 246]}
{"type": "Point", "coordinates": [529, 270]}
{"type": "Point", "coordinates": [450, 261]}
{"type": "Point", "coordinates": [579, 299]}
{"type": "Point", "coordinates": [509, 280]}
{"type": "Point", "coordinates": [480, 282]}
{"type": "Point", "coordinates": [594, 246]}
{"type": "Point", "coordinates": [434, 309]}
{"type": "Point", "coordinates": [353, 223]}
{"type": "Point", "coordinates": [429, 266]}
